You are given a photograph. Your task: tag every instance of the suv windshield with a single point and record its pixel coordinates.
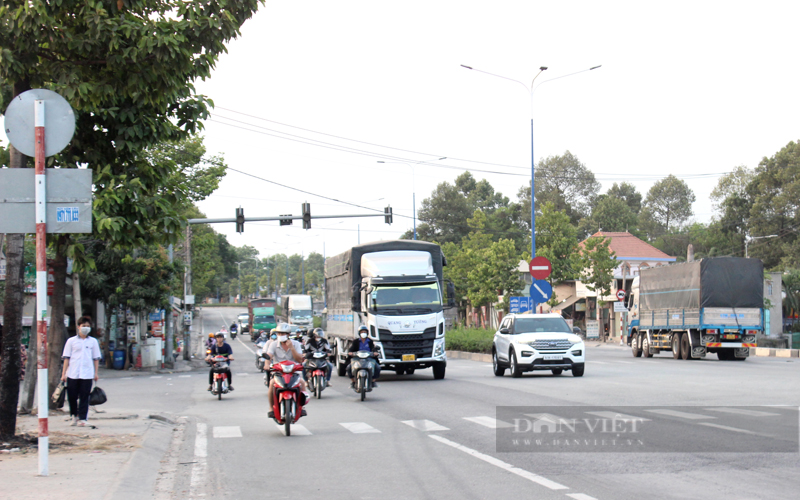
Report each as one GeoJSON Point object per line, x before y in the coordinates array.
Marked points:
{"type": "Point", "coordinates": [534, 325]}
{"type": "Point", "coordinates": [410, 299]}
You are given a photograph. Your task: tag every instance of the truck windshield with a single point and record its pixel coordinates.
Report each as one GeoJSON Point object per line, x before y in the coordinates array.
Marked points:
{"type": "Point", "coordinates": [405, 299]}
{"type": "Point", "coordinates": [301, 313]}
{"type": "Point", "coordinates": [533, 325]}
{"type": "Point", "coordinates": [264, 319]}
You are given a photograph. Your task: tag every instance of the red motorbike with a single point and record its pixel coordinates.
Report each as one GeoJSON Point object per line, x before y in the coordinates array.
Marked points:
{"type": "Point", "coordinates": [220, 385]}
{"type": "Point", "coordinates": [286, 393]}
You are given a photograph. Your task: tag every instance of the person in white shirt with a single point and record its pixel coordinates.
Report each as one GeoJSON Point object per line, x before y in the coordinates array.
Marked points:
{"type": "Point", "coordinates": [81, 361]}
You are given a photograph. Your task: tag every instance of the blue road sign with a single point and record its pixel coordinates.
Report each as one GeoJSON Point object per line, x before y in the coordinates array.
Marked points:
{"type": "Point", "coordinates": [520, 304]}
{"type": "Point", "coordinates": [541, 291]}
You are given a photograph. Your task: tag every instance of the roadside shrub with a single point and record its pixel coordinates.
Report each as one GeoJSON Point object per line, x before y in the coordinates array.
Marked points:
{"type": "Point", "coordinates": [469, 340]}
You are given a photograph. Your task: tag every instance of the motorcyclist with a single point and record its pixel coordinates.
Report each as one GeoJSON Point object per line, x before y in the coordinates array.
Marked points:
{"type": "Point", "coordinates": [363, 343]}
{"type": "Point", "coordinates": [220, 348]}
{"type": "Point", "coordinates": [210, 341]}
{"type": "Point", "coordinates": [285, 349]}
{"type": "Point", "coordinates": [233, 327]}
{"type": "Point", "coordinates": [317, 342]}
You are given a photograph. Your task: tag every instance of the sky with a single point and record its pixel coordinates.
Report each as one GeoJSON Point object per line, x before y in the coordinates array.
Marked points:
{"type": "Point", "coordinates": [314, 93]}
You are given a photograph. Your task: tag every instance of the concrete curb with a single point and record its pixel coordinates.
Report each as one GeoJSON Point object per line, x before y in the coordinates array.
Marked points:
{"type": "Point", "coordinates": [774, 353]}
{"type": "Point", "coordinates": [473, 356]}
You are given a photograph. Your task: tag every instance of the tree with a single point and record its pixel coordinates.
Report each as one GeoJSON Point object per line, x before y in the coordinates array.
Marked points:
{"type": "Point", "coordinates": [610, 214]}
{"type": "Point", "coordinates": [626, 192]}
{"type": "Point", "coordinates": [564, 181]}
{"type": "Point", "coordinates": [127, 69]}
{"type": "Point", "coordinates": [556, 239]}
{"type": "Point", "coordinates": [667, 206]}
{"type": "Point", "coordinates": [598, 264]}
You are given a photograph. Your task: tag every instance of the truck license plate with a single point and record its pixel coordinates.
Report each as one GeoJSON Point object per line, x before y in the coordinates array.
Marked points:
{"type": "Point", "coordinates": [553, 357]}
{"type": "Point", "coordinates": [409, 357]}
{"type": "Point", "coordinates": [732, 336]}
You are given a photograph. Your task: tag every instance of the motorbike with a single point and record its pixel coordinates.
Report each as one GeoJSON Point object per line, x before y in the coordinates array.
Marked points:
{"type": "Point", "coordinates": [233, 333]}
{"type": "Point", "coordinates": [317, 372]}
{"type": "Point", "coordinates": [220, 385]}
{"type": "Point", "coordinates": [362, 368]}
{"type": "Point", "coordinates": [260, 354]}
{"type": "Point", "coordinates": [208, 353]}
{"type": "Point", "coordinates": [286, 393]}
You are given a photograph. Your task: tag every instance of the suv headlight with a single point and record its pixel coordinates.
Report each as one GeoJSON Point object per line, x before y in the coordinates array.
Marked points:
{"type": "Point", "coordinates": [574, 339]}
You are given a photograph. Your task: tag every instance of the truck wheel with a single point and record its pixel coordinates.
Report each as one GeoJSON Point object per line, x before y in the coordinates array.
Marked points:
{"type": "Point", "coordinates": [645, 347]}
{"type": "Point", "coordinates": [499, 371]}
{"type": "Point", "coordinates": [438, 370]}
{"type": "Point", "coordinates": [676, 345]}
{"type": "Point", "coordinates": [686, 349]}
{"type": "Point", "coordinates": [637, 353]}
{"type": "Point", "coordinates": [516, 372]}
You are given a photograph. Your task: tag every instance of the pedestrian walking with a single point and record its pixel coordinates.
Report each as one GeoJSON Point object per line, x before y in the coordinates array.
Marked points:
{"type": "Point", "coordinates": [81, 361]}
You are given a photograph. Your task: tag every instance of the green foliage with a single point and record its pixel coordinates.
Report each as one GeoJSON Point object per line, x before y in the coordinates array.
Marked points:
{"type": "Point", "coordinates": [667, 206]}
{"type": "Point", "coordinates": [599, 264]}
{"type": "Point", "coordinates": [469, 340]}
{"type": "Point", "coordinates": [564, 181]}
{"type": "Point", "coordinates": [610, 214]}
{"type": "Point", "coordinates": [557, 240]}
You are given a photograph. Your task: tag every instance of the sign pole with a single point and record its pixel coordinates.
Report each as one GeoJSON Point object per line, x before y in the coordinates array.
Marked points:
{"type": "Point", "coordinates": [41, 286]}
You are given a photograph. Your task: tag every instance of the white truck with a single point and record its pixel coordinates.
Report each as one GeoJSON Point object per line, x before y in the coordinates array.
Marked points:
{"type": "Point", "coordinates": [395, 288]}
{"type": "Point", "coordinates": [297, 310]}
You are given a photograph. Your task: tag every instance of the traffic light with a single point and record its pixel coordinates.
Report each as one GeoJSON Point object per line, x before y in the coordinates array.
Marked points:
{"type": "Point", "coordinates": [240, 220]}
{"type": "Point", "coordinates": [387, 215]}
{"type": "Point", "coordinates": [306, 215]}
{"type": "Point", "coordinates": [287, 221]}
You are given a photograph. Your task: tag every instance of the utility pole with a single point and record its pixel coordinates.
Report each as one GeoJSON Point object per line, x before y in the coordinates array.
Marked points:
{"type": "Point", "coordinates": [169, 337]}
{"type": "Point", "coordinates": [187, 290]}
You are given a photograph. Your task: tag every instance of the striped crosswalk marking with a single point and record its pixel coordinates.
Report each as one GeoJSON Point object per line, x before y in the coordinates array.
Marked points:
{"type": "Point", "coordinates": [732, 429]}
{"type": "Point", "coordinates": [359, 428]}
{"type": "Point", "coordinates": [425, 425]}
{"type": "Point", "coordinates": [617, 416]}
{"type": "Point", "coordinates": [681, 414]}
{"type": "Point", "coordinates": [744, 411]}
{"type": "Point", "coordinates": [489, 422]}
{"type": "Point", "coordinates": [297, 430]}
{"type": "Point", "coordinates": [228, 432]}
{"type": "Point", "coordinates": [580, 496]}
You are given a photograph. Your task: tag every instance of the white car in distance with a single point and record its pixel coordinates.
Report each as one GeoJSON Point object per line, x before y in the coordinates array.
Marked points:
{"type": "Point", "coordinates": [528, 342]}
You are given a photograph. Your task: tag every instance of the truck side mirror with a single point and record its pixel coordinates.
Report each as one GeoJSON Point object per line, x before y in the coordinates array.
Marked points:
{"type": "Point", "coordinates": [451, 294]}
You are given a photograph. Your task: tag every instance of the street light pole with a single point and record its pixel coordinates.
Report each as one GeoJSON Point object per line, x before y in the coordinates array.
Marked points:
{"type": "Point", "coordinates": [239, 279]}
{"type": "Point", "coordinates": [530, 90]}
{"type": "Point", "coordinates": [747, 241]}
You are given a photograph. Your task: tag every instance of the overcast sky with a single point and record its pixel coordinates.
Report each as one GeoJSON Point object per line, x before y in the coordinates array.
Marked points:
{"type": "Point", "coordinates": [685, 88]}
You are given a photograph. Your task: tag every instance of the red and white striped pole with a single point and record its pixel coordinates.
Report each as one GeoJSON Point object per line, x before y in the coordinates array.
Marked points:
{"type": "Point", "coordinates": [41, 287]}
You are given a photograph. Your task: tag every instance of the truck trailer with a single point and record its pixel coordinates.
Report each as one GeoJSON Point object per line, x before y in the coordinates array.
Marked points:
{"type": "Point", "coordinates": [715, 305]}
{"type": "Point", "coordinates": [395, 288]}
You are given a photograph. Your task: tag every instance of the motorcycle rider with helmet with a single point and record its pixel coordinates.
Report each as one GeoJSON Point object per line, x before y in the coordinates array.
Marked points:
{"type": "Point", "coordinates": [363, 343]}
{"type": "Point", "coordinates": [317, 342]}
{"type": "Point", "coordinates": [220, 348]}
{"type": "Point", "coordinates": [286, 349]}
{"type": "Point", "coordinates": [210, 341]}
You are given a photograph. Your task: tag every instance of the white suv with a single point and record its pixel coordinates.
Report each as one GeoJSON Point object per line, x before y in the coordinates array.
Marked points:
{"type": "Point", "coordinates": [527, 342]}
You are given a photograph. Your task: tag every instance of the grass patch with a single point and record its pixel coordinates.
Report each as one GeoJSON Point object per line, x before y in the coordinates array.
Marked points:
{"type": "Point", "coordinates": [469, 340]}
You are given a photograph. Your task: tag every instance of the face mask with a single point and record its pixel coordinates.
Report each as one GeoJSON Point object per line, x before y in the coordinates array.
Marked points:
{"type": "Point", "coordinates": [283, 338]}
{"type": "Point", "coordinates": [273, 337]}
{"type": "Point", "coordinates": [85, 330]}
{"type": "Point", "coordinates": [363, 335]}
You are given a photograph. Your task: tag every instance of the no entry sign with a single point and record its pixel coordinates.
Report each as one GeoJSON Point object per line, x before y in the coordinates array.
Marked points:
{"type": "Point", "coordinates": [540, 268]}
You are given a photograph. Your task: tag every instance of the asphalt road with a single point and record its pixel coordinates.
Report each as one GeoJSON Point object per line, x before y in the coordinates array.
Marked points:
{"type": "Point", "coordinates": [708, 429]}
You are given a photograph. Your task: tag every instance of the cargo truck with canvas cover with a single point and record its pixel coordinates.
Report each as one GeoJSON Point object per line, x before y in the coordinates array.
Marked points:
{"type": "Point", "coordinates": [395, 288]}
{"type": "Point", "coordinates": [298, 310]}
{"type": "Point", "coordinates": [262, 315]}
{"type": "Point", "coordinates": [715, 305]}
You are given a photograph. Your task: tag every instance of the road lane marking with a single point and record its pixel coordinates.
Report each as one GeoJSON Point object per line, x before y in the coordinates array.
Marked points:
{"type": "Point", "coordinates": [125, 378]}
{"type": "Point", "coordinates": [503, 465]}
{"type": "Point", "coordinates": [580, 496]}
{"type": "Point", "coordinates": [197, 484]}
{"type": "Point", "coordinates": [489, 422]}
{"type": "Point", "coordinates": [425, 425]}
{"type": "Point", "coordinates": [597, 362]}
{"type": "Point", "coordinates": [624, 362]}
{"type": "Point", "coordinates": [233, 431]}
{"type": "Point", "coordinates": [156, 376]}
{"type": "Point", "coordinates": [743, 411]}
{"type": "Point", "coordinates": [359, 428]}
{"type": "Point", "coordinates": [732, 429]}
{"type": "Point", "coordinates": [297, 430]}
{"type": "Point", "coordinates": [184, 376]}
{"type": "Point", "coordinates": [617, 416]}
{"type": "Point", "coordinates": [681, 414]}
{"type": "Point", "coordinates": [245, 346]}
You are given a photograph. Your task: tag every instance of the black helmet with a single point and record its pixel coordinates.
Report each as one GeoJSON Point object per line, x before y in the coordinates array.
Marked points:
{"type": "Point", "coordinates": [319, 333]}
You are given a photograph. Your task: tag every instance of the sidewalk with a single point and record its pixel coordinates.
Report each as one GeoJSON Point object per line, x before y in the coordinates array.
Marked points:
{"type": "Point", "coordinates": [180, 367]}
{"type": "Point", "coordinates": [85, 463]}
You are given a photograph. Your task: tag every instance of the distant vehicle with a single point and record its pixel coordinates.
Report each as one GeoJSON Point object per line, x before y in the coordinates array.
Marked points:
{"type": "Point", "coordinates": [714, 305]}
{"type": "Point", "coordinates": [297, 310]}
{"type": "Point", "coordinates": [244, 322]}
{"type": "Point", "coordinates": [527, 342]}
{"type": "Point", "coordinates": [262, 315]}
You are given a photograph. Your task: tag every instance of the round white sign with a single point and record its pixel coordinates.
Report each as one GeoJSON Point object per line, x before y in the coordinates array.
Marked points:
{"type": "Point", "coordinates": [20, 125]}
